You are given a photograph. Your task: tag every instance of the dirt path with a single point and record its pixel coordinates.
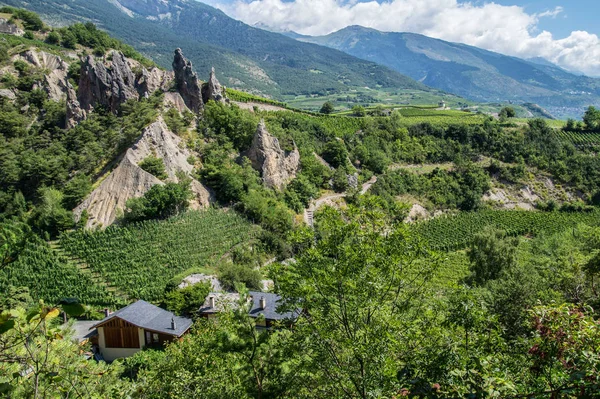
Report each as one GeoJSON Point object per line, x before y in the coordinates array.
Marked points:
{"type": "Point", "coordinates": [309, 212]}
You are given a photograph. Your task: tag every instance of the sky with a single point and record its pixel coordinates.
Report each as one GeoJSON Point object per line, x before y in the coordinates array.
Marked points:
{"type": "Point", "coordinates": [565, 32]}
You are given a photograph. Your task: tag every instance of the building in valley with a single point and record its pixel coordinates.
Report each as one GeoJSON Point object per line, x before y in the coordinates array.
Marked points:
{"type": "Point", "coordinates": [137, 326]}
{"type": "Point", "coordinates": [262, 304]}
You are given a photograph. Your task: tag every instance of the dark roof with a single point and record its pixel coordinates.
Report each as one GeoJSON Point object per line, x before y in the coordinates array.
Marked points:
{"type": "Point", "coordinates": [145, 315]}
{"type": "Point", "coordinates": [273, 301]}
{"type": "Point", "coordinates": [81, 329]}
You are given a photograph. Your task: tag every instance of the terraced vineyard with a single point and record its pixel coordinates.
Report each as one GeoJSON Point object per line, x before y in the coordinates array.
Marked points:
{"type": "Point", "coordinates": [244, 97]}
{"type": "Point", "coordinates": [52, 278]}
{"type": "Point", "coordinates": [580, 139]}
{"type": "Point", "coordinates": [140, 259]}
{"type": "Point", "coordinates": [451, 233]}
{"type": "Point", "coordinates": [441, 118]}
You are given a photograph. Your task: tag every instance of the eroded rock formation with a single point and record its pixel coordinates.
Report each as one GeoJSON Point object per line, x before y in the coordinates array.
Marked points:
{"type": "Point", "coordinates": [186, 82]}
{"type": "Point", "coordinates": [109, 85]}
{"type": "Point", "coordinates": [56, 72]}
{"type": "Point", "coordinates": [74, 113]}
{"type": "Point", "coordinates": [128, 180]}
{"type": "Point", "coordinates": [213, 90]}
{"type": "Point", "coordinates": [276, 167]}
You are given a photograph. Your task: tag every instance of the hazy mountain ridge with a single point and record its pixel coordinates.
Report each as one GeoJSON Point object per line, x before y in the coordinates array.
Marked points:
{"type": "Point", "coordinates": [248, 58]}
{"type": "Point", "coordinates": [468, 71]}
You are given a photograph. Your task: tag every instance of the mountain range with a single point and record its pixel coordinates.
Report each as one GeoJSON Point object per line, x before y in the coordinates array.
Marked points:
{"type": "Point", "coordinates": [468, 71]}
{"type": "Point", "coordinates": [245, 57]}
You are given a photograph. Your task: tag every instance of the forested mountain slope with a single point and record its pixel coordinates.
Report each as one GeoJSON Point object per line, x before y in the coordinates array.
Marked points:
{"type": "Point", "coordinates": [468, 71]}
{"type": "Point", "coordinates": [247, 58]}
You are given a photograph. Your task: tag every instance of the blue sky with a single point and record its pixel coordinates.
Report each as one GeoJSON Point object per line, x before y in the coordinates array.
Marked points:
{"type": "Point", "coordinates": [577, 15]}
{"type": "Point", "coordinates": [564, 32]}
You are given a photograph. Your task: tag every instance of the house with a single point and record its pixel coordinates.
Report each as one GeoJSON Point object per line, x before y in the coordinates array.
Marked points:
{"type": "Point", "coordinates": [263, 303]}
{"type": "Point", "coordinates": [137, 326]}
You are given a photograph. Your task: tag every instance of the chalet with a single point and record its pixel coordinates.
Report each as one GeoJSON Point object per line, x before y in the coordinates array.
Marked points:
{"type": "Point", "coordinates": [139, 325]}
{"type": "Point", "coordinates": [263, 303]}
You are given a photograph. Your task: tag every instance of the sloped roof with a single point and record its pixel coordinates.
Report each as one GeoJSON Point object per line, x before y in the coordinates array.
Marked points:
{"type": "Point", "coordinates": [145, 315]}
{"type": "Point", "coordinates": [273, 301]}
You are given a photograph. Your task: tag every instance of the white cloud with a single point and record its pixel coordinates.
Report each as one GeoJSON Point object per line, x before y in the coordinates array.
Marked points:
{"type": "Point", "coordinates": [505, 29]}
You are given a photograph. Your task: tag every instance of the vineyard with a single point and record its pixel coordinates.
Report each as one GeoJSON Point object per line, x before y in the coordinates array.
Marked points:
{"type": "Point", "coordinates": [439, 118]}
{"type": "Point", "coordinates": [244, 97]}
{"type": "Point", "coordinates": [52, 278]}
{"type": "Point", "coordinates": [454, 232]}
{"type": "Point", "coordinates": [580, 139]}
{"type": "Point", "coordinates": [140, 259]}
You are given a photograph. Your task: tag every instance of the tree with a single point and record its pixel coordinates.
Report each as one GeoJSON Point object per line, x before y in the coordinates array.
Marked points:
{"type": "Point", "coordinates": [155, 166]}
{"type": "Point", "coordinates": [507, 112]}
{"type": "Point", "coordinates": [356, 285]}
{"type": "Point", "coordinates": [47, 363]}
{"type": "Point", "coordinates": [160, 202]}
{"type": "Point", "coordinates": [327, 108]}
{"type": "Point", "coordinates": [491, 252]}
{"type": "Point", "coordinates": [336, 153]}
{"type": "Point", "coordinates": [359, 111]}
{"type": "Point", "coordinates": [591, 118]}
{"type": "Point", "coordinates": [187, 300]}
{"type": "Point", "coordinates": [53, 38]}
{"type": "Point", "coordinates": [50, 218]}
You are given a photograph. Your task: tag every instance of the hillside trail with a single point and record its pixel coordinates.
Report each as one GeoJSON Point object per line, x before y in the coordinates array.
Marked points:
{"type": "Point", "coordinates": [309, 212]}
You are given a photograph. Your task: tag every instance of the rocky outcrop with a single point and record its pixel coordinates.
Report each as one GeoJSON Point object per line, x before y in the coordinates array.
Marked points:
{"type": "Point", "coordinates": [128, 180]}
{"type": "Point", "coordinates": [109, 85]}
{"type": "Point", "coordinates": [186, 82]}
{"type": "Point", "coordinates": [11, 29]}
{"type": "Point", "coordinates": [55, 75]}
{"type": "Point", "coordinates": [152, 80]}
{"type": "Point", "coordinates": [74, 113]}
{"type": "Point", "coordinates": [8, 94]}
{"type": "Point", "coordinates": [276, 167]}
{"type": "Point", "coordinates": [212, 90]}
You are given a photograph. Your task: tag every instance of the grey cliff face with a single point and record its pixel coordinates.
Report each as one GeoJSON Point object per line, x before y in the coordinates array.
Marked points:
{"type": "Point", "coordinates": [107, 86]}
{"type": "Point", "coordinates": [213, 90]}
{"type": "Point", "coordinates": [277, 168]}
{"type": "Point", "coordinates": [187, 83]}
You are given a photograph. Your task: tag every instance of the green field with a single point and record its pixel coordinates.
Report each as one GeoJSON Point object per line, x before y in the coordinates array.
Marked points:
{"type": "Point", "coordinates": [141, 259]}
{"type": "Point", "coordinates": [580, 139]}
{"type": "Point", "coordinates": [455, 232]}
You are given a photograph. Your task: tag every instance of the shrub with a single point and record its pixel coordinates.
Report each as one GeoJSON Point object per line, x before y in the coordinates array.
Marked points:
{"type": "Point", "coordinates": [231, 274]}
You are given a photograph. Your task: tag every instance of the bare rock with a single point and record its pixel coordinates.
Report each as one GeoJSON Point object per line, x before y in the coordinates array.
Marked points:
{"type": "Point", "coordinates": [74, 113]}
{"type": "Point", "coordinates": [109, 85]}
{"type": "Point", "coordinates": [174, 100]}
{"type": "Point", "coordinates": [152, 80]}
{"type": "Point", "coordinates": [213, 90]}
{"type": "Point", "coordinates": [56, 72]}
{"type": "Point", "coordinates": [186, 82]}
{"type": "Point", "coordinates": [128, 180]}
{"type": "Point", "coordinates": [277, 168]}
{"type": "Point", "coordinates": [353, 180]}
{"type": "Point", "coordinates": [10, 29]}
{"type": "Point", "coordinates": [417, 212]}
{"type": "Point", "coordinates": [8, 94]}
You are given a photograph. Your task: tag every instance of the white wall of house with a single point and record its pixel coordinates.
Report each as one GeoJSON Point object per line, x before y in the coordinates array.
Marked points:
{"type": "Point", "coordinates": [111, 354]}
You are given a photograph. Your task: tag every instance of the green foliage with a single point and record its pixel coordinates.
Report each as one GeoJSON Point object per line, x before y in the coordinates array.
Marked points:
{"type": "Point", "coordinates": [335, 153]}
{"type": "Point", "coordinates": [38, 358]}
{"type": "Point", "coordinates": [453, 232]}
{"type": "Point", "coordinates": [327, 108]}
{"type": "Point", "coordinates": [491, 253]}
{"type": "Point", "coordinates": [30, 20]}
{"type": "Point", "coordinates": [50, 218]}
{"type": "Point", "coordinates": [141, 258]}
{"type": "Point", "coordinates": [187, 300]}
{"type": "Point", "coordinates": [233, 274]}
{"type": "Point", "coordinates": [299, 193]}
{"type": "Point", "coordinates": [160, 202]}
{"type": "Point", "coordinates": [176, 122]}
{"type": "Point", "coordinates": [359, 111]}
{"type": "Point", "coordinates": [591, 118]}
{"type": "Point", "coordinates": [155, 166]}
{"type": "Point", "coordinates": [461, 188]}
{"type": "Point", "coordinates": [53, 38]}
{"type": "Point", "coordinates": [51, 277]}
{"type": "Point", "coordinates": [222, 122]}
